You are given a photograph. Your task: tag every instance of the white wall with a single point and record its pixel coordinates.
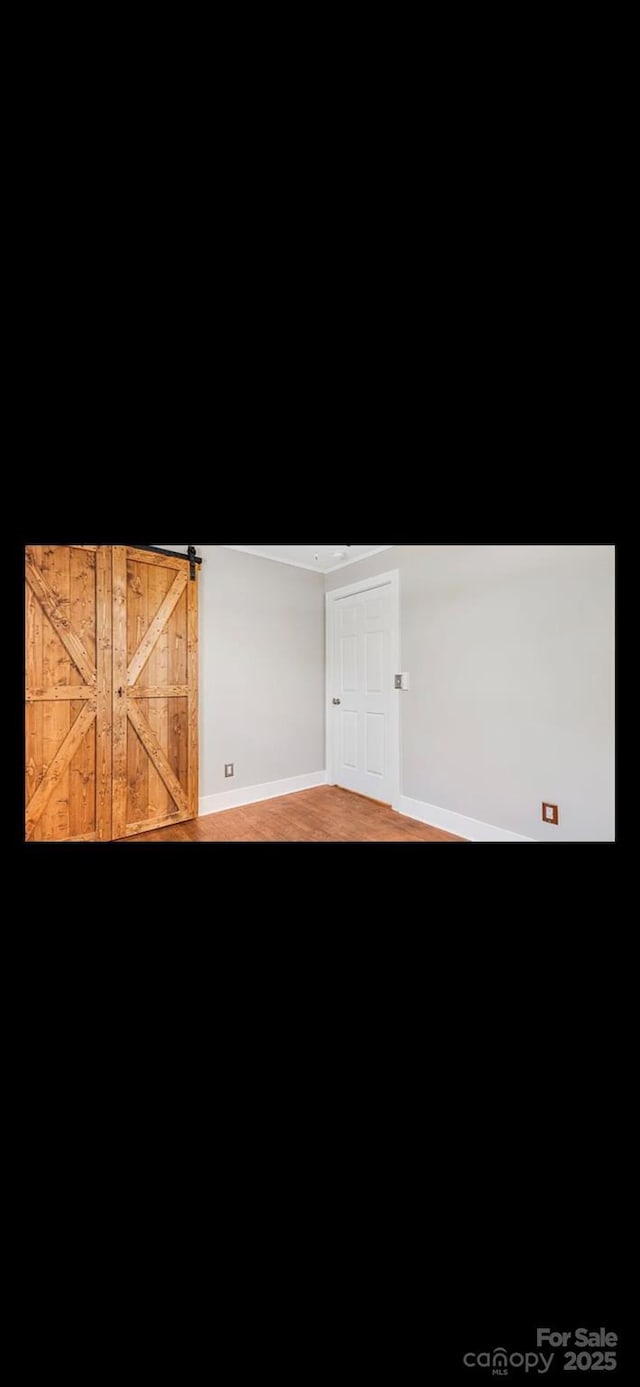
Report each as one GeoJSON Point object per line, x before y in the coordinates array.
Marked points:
{"type": "Point", "coordinates": [262, 683]}
{"type": "Point", "coordinates": [510, 650]}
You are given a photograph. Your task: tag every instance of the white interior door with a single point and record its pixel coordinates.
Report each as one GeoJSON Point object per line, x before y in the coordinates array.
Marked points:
{"type": "Point", "coordinates": [363, 733]}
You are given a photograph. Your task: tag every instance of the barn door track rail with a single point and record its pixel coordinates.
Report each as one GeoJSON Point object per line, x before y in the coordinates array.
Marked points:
{"type": "Point", "coordinates": [190, 557]}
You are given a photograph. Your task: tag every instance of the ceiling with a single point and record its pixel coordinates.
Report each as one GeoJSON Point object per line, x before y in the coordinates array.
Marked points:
{"type": "Point", "coordinates": [322, 558]}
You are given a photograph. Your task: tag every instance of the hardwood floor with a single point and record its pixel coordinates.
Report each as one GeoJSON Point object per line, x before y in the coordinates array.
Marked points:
{"type": "Point", "coordinates": [323, 815]}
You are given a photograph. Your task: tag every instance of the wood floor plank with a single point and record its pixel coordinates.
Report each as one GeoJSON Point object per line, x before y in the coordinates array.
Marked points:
{"type": "Point", "coordinates": [323, 815]}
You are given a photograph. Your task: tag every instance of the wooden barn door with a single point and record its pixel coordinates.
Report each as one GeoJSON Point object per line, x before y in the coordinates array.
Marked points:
{"type": "Point", "coordinates": [155, 691]}
{"type": "Point", "coordinates": [68, 692]}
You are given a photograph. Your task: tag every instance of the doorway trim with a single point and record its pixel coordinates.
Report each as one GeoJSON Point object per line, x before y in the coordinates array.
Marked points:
{"type": "Point", "coordinates": [392, 580]}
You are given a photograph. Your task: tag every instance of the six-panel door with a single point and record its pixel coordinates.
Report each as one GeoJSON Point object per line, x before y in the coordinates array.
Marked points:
{"type": "Point", "coordinates": [362, 676]}
{"type": "Point", "coordinates": [111, 736]}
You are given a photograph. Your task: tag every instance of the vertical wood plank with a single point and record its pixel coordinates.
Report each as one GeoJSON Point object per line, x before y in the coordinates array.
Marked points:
{"type": "Point", "coordinates": [175, 630]}
{"type": "Point", "coordinates": [119, 703]}
{"type": "Point", "coordinates": [160, 802]}
{"type": "Point", "coordinates": [43, 829]}
{"type": "Point", "coordinates": [34, 668]}
{"type": "Point", "coordinates": [58, 716]}
{"type": "Point", "coordinates": [137, 624]}
{"type": "Point", "coordinates": [192, 710]}
{"type": "Point", "coordinates": [163, 705]}
{"type": "Point", "coordinates": [64, 718]}
{"type": "Point", "coordinates": [104, 621]}
{"type": "Point", "coordinates": [182, 710]}
{"type": "Point", "coordinates": [82, 769]}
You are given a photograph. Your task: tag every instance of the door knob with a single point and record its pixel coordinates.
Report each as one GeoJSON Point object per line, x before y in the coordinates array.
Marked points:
{"type": "Point", "coordinates": [336, 701]}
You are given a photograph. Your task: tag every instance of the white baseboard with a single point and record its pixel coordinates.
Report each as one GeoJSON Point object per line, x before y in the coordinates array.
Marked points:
{"type": "Point", "coordinates": [472, 829]}
{"type": "Point", "coordinates": [234, 799]}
